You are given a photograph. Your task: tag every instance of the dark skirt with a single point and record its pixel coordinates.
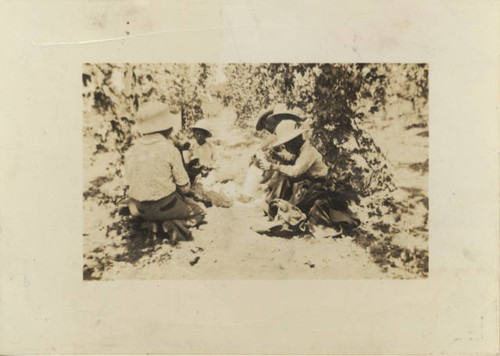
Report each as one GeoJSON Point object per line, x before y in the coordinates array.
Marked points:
{"type": "Point", "coordinates": [313, 197]}
{"type": "Point", "coordinates": [279, 186]}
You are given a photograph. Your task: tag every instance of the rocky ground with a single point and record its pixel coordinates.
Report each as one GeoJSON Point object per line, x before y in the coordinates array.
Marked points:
{"type": "Point", "coordinates": [227, 248]}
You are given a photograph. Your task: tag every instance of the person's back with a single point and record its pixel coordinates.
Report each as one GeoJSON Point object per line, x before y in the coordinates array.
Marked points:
{"type": "Point", "coordinates": [157, 178]}
{"type": "Point", "coordinates": [154, 168]}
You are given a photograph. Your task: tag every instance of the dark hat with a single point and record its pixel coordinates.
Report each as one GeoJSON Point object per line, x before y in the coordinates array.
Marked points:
{"type": "Point", "coordinates": [262, 116]}
{"type": "Point", "coordinates": [282, 112]}
{"type": "Point", "coordinates": [279, 112]}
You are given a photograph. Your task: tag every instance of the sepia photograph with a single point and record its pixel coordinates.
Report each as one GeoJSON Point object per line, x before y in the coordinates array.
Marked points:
{"type": "Point", "coordinates": [255, 171]}
{"type": "Point", "coordinates": [235, 177]}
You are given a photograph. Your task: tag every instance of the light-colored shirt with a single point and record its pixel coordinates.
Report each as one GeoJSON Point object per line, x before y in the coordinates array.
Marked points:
{"type": "Point", "coordinates": [309, 163]}
{"type": "Point", "coordinates": [204, 153]}
{"type": "Point", "coordinates": [154, 168]}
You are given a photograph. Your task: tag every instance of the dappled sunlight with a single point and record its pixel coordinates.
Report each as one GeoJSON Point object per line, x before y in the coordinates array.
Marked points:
{"type": "Point", "coordinates": [238, 239]}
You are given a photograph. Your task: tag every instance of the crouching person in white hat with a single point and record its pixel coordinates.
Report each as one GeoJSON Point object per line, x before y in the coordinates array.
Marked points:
{"type": "Point", "coordinates": [157, 179]}
{"type": "Point", "coordinates": [268, 121]}
{"type": "Point", "coordinates": [309, 162]}
{"type": "Point", "coordinates": [304, 183]}
{"type": "Point", "coordinates": [279, 183]}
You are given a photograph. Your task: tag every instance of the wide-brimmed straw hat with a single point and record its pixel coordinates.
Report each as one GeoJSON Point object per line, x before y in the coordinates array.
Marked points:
{"type": "Point", "coordinates": [203, 125]}
{"type": "Point", "coordinates": [156, 117]}
{"type": "Point", "coordinates": [286, 131]}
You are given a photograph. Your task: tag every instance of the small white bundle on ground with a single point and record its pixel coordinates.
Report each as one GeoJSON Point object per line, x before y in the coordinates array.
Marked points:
{"type": "Point", "coordinates": [220, 193]}
{"type": "Point", "coordinates": [251, 187]}
{"type": "Point", "coordinates": [223, 191]}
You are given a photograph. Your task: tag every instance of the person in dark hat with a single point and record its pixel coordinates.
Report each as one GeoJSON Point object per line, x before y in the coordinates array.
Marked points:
{"type": "Point", "coordinates": [270, 118]}
{"type": "Point", "coordinates": [157, 179]}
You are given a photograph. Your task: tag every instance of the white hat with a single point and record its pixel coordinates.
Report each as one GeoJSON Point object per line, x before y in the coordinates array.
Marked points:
{"type": "Point", "coordinates": [156, 117]}
{"type": "Point", "coordinates": [202, 125]}
{"type": "Point", "coordinates": [286, 131]}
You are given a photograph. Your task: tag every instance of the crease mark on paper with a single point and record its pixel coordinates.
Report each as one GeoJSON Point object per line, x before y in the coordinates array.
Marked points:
{"type": "Point", "coordinates": [146, 34]}
{"type": "Point", "coordinates": [155, 33]}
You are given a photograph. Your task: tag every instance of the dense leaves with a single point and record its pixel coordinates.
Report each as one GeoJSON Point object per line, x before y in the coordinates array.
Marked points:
{"type": "Point", "coordinates": [117, 91]}
{"type": "Point", "coordinates": [334, 98]}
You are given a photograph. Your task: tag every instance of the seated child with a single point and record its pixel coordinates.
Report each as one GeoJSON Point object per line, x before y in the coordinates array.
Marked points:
{"type": "Point", "coordinates": [202, 149]}
{"type": "Point", "coordinates": [199, 157]}
{"type": "Point", "coordinates": [201, 161]}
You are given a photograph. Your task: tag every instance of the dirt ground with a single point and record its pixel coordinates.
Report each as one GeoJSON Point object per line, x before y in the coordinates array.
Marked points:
{"type": "Point", "coordinates": [227, 248]}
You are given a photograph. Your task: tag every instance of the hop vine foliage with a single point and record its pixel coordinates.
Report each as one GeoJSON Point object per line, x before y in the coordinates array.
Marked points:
{"type": "Point", "coordinates": [115, 93]}
{"type": "Point", "coordinates": [335, 98]}
{"type": "Point", "coordinates": [345, 95]}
